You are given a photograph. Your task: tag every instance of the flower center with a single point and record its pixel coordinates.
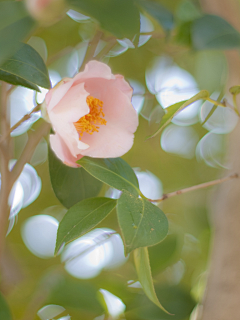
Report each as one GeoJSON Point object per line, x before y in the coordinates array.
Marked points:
{"type": "Point", "coordinates": [91, 121]}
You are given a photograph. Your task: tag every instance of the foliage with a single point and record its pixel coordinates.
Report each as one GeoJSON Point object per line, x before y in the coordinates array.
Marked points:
{"type": "Point", "coordinates": [169, 241]}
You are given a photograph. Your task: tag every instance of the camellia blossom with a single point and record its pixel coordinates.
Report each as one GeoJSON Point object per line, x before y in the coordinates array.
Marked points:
{"type": "Point", "coordinates": [91, 115]}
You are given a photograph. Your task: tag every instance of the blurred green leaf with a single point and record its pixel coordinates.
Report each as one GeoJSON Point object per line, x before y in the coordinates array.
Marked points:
{"type": "Point", "coordinates": [142, 223]}
{"type": "Point", "coordinates": [78, 295]}
{"type": "Point", "coordinates": [10, 12]}
{"type": "Point", "coordinates": [213, 32]}
{"type": "Point", "coordinates": [184, 35]}
{"type": "Point", "coordinates": [162, 15]}
{"type": "Point", "coordinates": [25, 68]}
{"type": "Point", "coordinates": [71, 185]}
{"type": "Point", "coordinates": [15, 26]}
{"type": "Point", "coordinates": [172, 110]}
{"type": "Point", "coordinates": [113, 171]}
{"type": "Point", "coordinates": [82, 217]}
{"type": "Point", "coordinates": [163, 253]}
{"type": "Point", "coordinates": [188, 11]}
{"type": "Point", "coordinates": [143, 269]}
{"type": "Point", "coordinates": [120, 17]}
{"type": "Point", "coordinates": [5, 313]}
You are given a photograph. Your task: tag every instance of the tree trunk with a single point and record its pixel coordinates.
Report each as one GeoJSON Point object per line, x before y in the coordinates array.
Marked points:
{"type": "Point", "coordinates": [222, 297]}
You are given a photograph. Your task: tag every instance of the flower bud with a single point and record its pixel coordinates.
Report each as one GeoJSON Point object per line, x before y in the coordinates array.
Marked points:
{"type": "Point", "coordinates": [46, 12]}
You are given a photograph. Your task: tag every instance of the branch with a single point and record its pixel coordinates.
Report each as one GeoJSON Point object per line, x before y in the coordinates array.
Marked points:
{"type": "Point", "coordinates": [33, 139]}
{"type": "Point", "coordinates": [199, 186]}
{"type": "Point", "coordinates": [24, 118]}
{"type": "Point", "coordinates": [92, 48]}
{"type": "Point", "coordinates": [5, 154]}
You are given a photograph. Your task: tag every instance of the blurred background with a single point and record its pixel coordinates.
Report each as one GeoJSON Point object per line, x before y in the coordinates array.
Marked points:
{"type": "Point", "coordinates": [169, 60]}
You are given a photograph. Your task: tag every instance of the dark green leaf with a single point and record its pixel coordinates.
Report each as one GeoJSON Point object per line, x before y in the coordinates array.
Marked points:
{"type": "Point", "coordinates": [25, 68]}
{"type": "Point", "coordinates": [213, 32]}
{"type": "Point", "coordinates": [163, 16]}
{"type": "Point", "coordinates": [172, 110]}
{"type": "Point", "coordinates": [142, 223]}
{"type": "Point", "coordinates": [113, 171]}
{"type": "Point", "coordinates": [82, 217]}
{"type": "Point", "coordinates": [142, 265]}
{"type": "Point", "coordinates": [11, 35]}
{"type": "Point", "coordinates": [71, 185]}
{"type": "Point", "coordinates": [4, 309]}
{"type": "Point", "coordinates": [120, 17]}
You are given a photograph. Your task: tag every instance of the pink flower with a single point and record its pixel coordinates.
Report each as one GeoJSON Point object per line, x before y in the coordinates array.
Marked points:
{"type": "Point", "coordinates": [91, 115]}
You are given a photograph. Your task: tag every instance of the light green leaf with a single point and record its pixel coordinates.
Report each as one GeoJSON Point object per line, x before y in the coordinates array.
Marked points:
{"type": "Point", "coordinates": [172, 110]}
{"type": "Point", "coordinates": [162, 15]}
{"type": "Point", "coordinates": [120, 17]}
{"type": "Point", "coordinates": [213, 32]}
{"type": "Point", "coordinates": [25, 68]}
{"type": "Point", "coordinates": [143, 269]}
{"type": "Point", "coordinates": [71, 185]}
{"type": "Point", "coordinates": [142, 223]}
{"type": "Point", "coordinates": [5, 313]}
{"type": "Point", "coordinates": [82, 217]}
{"type": "Point", "coordinates": [113, 171]}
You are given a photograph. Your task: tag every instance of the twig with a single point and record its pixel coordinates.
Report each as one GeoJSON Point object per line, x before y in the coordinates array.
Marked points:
{"type": "Point", "coordinates": [105, 50]}
{"type": "Point", "coordinates": [24, 118]}
{"type": "Point", "coordinates": [92, 48]}
{"type": "Point", "coordinates": [199, 186]}
{"type": "Point", "coordinates": [33, 140]}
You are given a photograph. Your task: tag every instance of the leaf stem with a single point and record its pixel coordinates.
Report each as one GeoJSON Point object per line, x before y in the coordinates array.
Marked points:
{"type": "Point", "coordinates": [196, 187]}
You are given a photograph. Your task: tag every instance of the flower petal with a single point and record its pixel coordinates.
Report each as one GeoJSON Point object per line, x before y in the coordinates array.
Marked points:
{"type": "Point", "coordinates": [94, 69]}
{"type": "Point", "coordinates": [58, 92]}
{"type": "Point", "coordinates": [62, 152]}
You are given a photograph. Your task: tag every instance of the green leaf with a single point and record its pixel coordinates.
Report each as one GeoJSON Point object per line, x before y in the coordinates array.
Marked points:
{"type": "Point", "coordinates": [142, 223]}
{"type": "Point", "coordinates": [172, 110]}
{"type": "Point", "coordinates": [143, 269]}
{"type": "Point", "coordinates": [213, 32]}
{"type": "Point", "coordinates": [25, 68]}
{"type": "Point", "coordinates": [82, 217]}
{"type": "Point", "coordinates": [113, 171]}
{"type": "Point", "coordinates": [120, 17]}
{"type": "Point", "coordinates": [71, 185]}
{"type": "Point", "coordinates": [5, 313]}
{"type": "Point", "coordinates": [15, 25]}
{"type": "Point", "coordinates": [162, 15]}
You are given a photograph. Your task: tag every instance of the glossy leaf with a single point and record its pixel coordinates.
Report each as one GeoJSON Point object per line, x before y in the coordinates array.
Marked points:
{"type": "Point", "coordinates": [213, 32]}
{"type": "Point", "coordinates": [71, 185]}
{"type": "Point", "coordinates": [142, 223]}
{"type": "Point", "coordinates": [143, 269]}
{"type": "Point", "coordinates": [162, 15]}
{"type": "Point", "coordinates": [5, 313]}
{"type": "Point", "coordinates": [15, 26]}
{"type": "Point", "coordinates": [82, 217]}
{"type": "Point", "coordinates": [120, 17]}
{"type": "Point", "coordinates": [25, 68]}
{"type": "Point", "coordinates": [113, 171]}
{"type": "Point", "coordinates": [172, 110]}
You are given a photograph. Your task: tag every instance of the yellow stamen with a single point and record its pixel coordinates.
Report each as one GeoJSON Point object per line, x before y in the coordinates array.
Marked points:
{"type": "Point", "coordinates": [91, 121]}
